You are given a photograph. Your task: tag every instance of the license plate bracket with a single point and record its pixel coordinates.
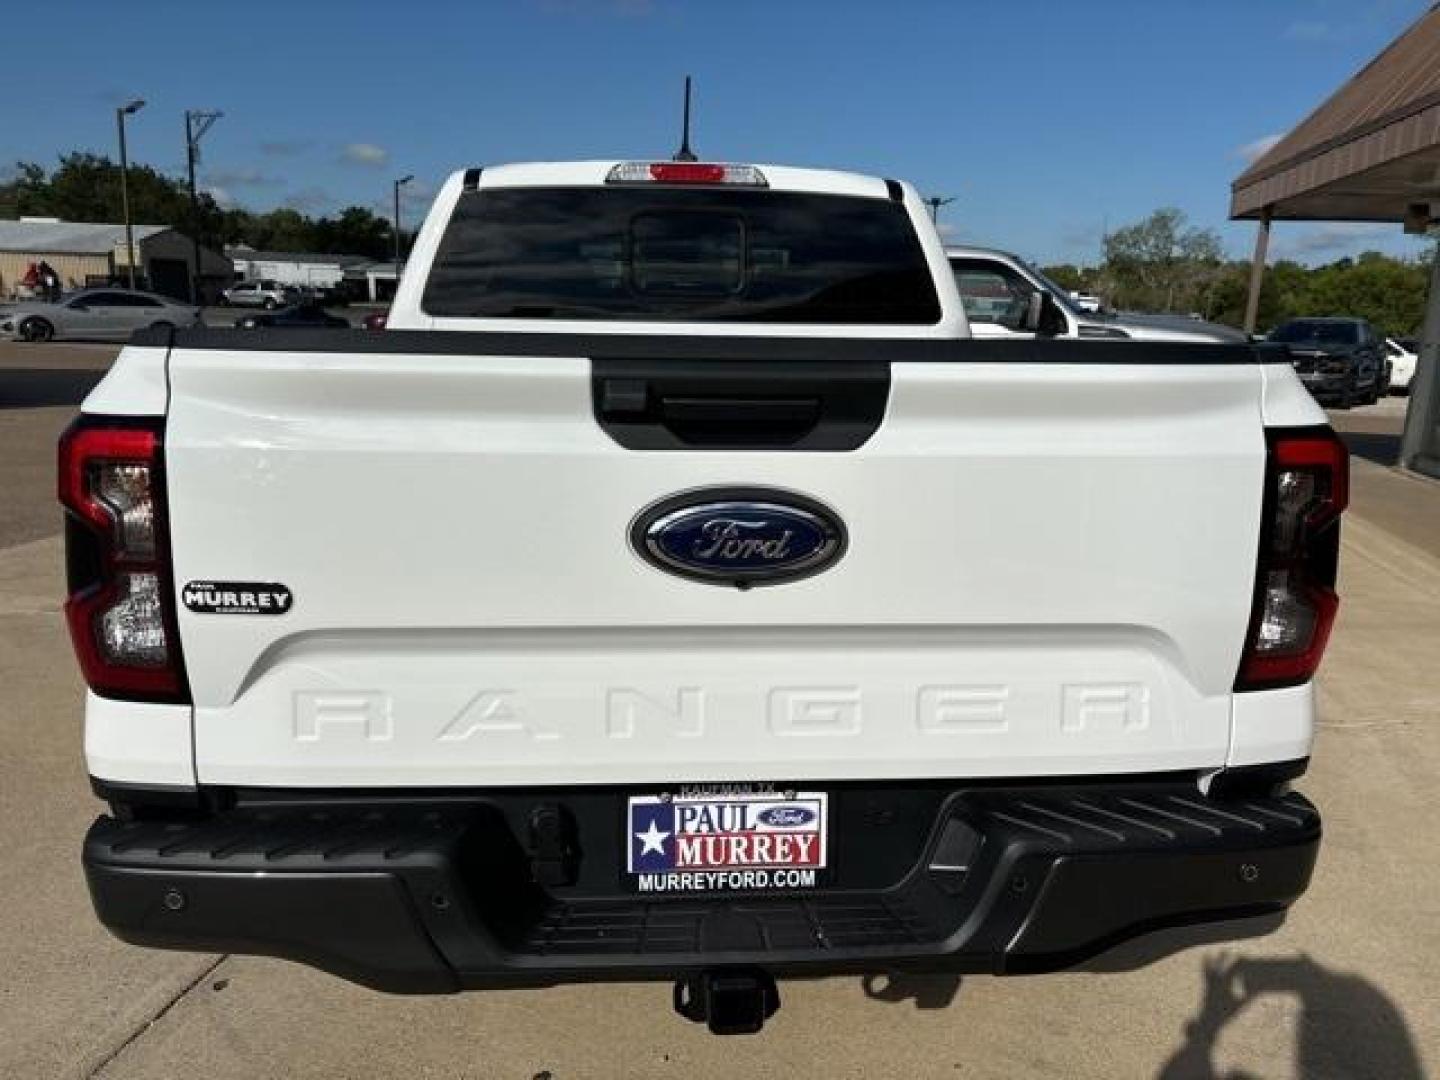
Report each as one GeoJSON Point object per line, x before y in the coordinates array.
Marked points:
{"type": "Point", "coordinates": [726, 842]}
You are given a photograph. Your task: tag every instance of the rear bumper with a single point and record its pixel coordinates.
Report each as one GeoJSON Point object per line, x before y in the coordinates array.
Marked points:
{"type": "Point", "coordinates": [441, 894]}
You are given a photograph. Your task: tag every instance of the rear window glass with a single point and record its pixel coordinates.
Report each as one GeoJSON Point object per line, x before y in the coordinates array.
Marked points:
{"type": "Point", "coordinates": [680, 254]}
{"type": "Point", "coordinates": [1317, 333]}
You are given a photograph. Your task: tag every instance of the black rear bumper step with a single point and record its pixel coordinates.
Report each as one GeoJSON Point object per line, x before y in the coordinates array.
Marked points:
{"type": "Point", "coordinates": [440, 895]}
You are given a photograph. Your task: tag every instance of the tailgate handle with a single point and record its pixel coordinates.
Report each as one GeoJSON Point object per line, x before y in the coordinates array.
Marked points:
{"type": "Point", "coordinates": [770, 421]}
{"type": "Point", "coordinates": [739, 405]}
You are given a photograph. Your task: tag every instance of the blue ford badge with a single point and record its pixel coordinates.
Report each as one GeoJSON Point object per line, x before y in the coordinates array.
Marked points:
{"type": "Point", "coordinates": [787, 817]}
{"type": "Point", "coordinates": [739, 536]}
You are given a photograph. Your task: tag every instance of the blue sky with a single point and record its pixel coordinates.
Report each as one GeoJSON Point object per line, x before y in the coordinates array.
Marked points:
{"type": "Point", "coordinates": [1047, 121]}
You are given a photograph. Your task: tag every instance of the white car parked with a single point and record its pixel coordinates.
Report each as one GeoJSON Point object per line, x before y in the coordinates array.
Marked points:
{"type": "Point", "coordinates": [95, 315]}
{"type": "Point", "coordinates": [1404, 354]}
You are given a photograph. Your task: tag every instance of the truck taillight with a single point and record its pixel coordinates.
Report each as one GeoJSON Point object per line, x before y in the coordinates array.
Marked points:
{"type": "Point", "coordinates": [121, 606]}
{"type": "Point", "coordinates": [1307, 487]}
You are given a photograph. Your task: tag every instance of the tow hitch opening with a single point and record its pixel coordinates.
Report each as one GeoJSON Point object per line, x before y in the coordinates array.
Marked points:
{"type": "Point", "coordinates": [729, 1001]}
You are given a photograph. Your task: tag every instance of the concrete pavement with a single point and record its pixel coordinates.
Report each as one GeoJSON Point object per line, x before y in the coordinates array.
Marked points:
{"type": "Point", "coordinates": [1344, 989]}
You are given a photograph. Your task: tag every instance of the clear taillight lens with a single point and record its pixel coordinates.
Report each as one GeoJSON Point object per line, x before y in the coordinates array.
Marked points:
{"type": "Point", "coordinates": [124, 490]}
{"type": "Point", "coordinates": [120, 606]}
{"type": "Point", "coordinates": [1307, 489]}
{"type": "Point", "coordinates": [132, 627]}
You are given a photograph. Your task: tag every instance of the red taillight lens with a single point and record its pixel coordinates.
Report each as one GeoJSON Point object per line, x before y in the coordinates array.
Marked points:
{"type": "Point", "coordinates": [121, 607]}
{"type": "Point", "coordinates": [685, 172]}
{"type": "Point", "coordinates": [1307, 487]}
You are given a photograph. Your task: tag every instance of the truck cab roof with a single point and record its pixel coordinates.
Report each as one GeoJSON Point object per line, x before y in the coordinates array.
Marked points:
{"type": "Point", "coordinates": [597, 173]}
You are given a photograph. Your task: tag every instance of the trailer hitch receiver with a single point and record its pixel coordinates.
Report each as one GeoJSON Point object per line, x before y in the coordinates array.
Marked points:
{"type": "Point", "coordinates": [729, 1001]}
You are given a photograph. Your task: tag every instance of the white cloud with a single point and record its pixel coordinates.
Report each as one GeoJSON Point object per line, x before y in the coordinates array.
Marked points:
{"type": "Point", "coordinates": [310, 200]}
{"type": "Point", "coordinates": [241, 178]}
{"type": "Point", "coordinates": [284, 147]}
{"type": "Point", "coordinates": [364, 153]}
{"type": "Point", "coordinates": [223, 198]}
{"type": "Point", "coordinates": [1253, 151]}
{"type": "Point", "coordinates": [1308, 30]}
{"type": "Point", "coordinates": [1333, 239]}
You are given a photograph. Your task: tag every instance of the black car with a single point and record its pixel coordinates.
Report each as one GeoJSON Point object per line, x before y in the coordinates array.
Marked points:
{"type": "Point", "coordinates": [1341, 361]}
{"type": "Point", "coordinates": [309, 316]}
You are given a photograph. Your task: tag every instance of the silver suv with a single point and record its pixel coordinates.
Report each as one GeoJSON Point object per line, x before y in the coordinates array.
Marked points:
{"type": "Point", "coordinates": [262, 294]}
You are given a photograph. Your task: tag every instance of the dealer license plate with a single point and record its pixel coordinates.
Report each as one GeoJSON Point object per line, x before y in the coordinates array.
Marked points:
{"type": "Point", "coordinates": [726, 842]}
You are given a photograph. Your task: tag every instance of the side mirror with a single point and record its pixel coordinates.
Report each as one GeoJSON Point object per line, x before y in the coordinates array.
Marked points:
{"type": "Point", "coordinates": [1043, 315]}
{"type": "Point", "coordinates": [1034, 309]}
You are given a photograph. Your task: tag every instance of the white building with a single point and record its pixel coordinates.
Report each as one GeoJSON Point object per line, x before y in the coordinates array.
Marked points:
{"type": "Point", "coordinates": [300, 268]}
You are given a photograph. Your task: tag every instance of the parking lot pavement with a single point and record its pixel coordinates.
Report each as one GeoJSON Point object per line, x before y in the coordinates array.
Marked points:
{"type": "Point", "coordinates": [1344, 989]}
{"type": "Point", "coordinates": [40, 388]}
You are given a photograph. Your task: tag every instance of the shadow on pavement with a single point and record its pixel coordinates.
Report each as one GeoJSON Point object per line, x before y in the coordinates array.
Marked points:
{"type": "Point", "coordinates": [925, 990]}
{"type": "Point", "coordinates": [34, 388]}
{"type": "Point", "coordinates": [1379, 447]}
{"type": "Point", "coordinates": [1347, 1026]}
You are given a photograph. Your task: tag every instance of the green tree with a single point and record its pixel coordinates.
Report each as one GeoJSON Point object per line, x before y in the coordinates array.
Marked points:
{"type": "Point", "coordinates": [1068, 276]}
{"type": "Point", "coordinates": [1389, 292]}
{"type": "Point", "coordinates": [281, 230]}
{"type": "Point", "coordinates": [1161, 264]}
{"type": "Point", "coordinates": [356, 231]}
{"type": "Point", "coordinates": [86, 187]}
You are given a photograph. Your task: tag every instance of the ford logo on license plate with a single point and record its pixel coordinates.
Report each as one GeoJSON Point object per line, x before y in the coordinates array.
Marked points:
{"type": "Point", "coordinates": [739, 536]}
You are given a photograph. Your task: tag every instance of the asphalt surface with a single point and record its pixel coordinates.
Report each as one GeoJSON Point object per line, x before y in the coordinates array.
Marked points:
{"type": "Point", "coordinates": [1345, 989]}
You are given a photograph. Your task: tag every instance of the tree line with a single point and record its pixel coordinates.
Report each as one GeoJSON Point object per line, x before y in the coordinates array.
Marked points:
{"type": "Point", "coordinates": [1162, 264]}
{"type": "Point", "coordinates": [86, 187]}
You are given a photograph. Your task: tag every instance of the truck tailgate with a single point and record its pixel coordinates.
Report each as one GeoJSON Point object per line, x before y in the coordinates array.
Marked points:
{"type": "Point", "coordinates": [1049, 571]}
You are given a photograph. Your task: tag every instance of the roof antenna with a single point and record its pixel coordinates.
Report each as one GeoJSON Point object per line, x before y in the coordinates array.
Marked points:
{"type": "Point", "coordinates": [685, 153]}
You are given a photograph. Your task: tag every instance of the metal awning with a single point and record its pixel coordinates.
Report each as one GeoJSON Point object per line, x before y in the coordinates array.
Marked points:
{"type": "Point", "coordinates": [1371, 152]}
{"type": "Point", "coordinates": [1368, 153]}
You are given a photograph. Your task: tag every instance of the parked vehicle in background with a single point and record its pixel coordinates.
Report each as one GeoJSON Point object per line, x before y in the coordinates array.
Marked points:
{"type": "Point", "coordinates": [674, 590]}
{"type": "Point", "coordinates": [375, 320]}
{"type": "Point", "coordinates": [298, 316]}
{"type": "Point", "coordinates": [998, 289]}
{"type": "Point", "coordinates": [307, 294]}
{"type": "Point", "coordinates": [95, 314]}
{"type": "Point", "coordinates": [1403, 354]}
{"type": "Point", "coordinates": [1339, 359]}
{"type": "Point", "coordinates": [1087, 301]}
{"type": "Point", "coordinates": [262, 294]}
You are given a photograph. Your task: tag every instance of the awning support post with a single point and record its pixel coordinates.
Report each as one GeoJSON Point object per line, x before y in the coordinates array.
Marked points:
{"type": "Point", "coordinates": [1420, 444]}
{"type": "Point", "coordinates": [1257, 270]}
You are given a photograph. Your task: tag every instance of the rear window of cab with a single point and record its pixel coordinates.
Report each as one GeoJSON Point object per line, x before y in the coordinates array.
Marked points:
{"type": "Point", "coordinates": [681, 254]}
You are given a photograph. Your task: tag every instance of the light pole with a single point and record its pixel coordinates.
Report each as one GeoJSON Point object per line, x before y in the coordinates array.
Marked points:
{"type": "Point", "coordinates": [935, 202]}
{"type": "Point", "coordinates": [403, 180]}
{"type": "Point", "coordinates": [196, 124]}
{"type": "Point", "coordinates": [120, 114]}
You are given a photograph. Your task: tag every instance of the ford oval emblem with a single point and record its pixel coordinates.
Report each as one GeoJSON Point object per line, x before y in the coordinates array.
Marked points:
{"type": "Point", "coordinates": [785, 817]}
{"type": "Point", "coordinates": [739, 536]}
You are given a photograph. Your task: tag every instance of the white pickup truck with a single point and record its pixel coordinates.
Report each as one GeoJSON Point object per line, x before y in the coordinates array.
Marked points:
{"type": "Point", "coordinates": [676, 591]}
{"type": "Point", "coordinates": [997, 289]}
